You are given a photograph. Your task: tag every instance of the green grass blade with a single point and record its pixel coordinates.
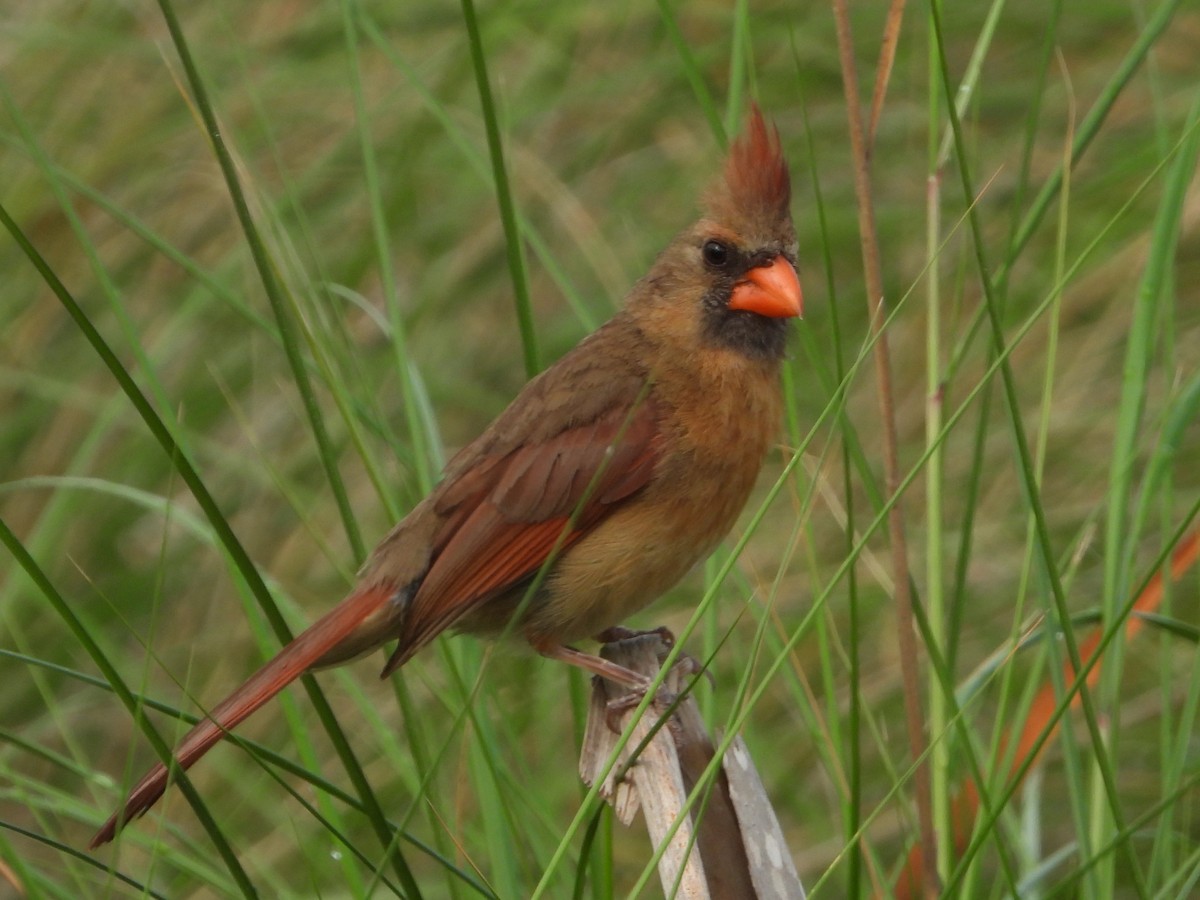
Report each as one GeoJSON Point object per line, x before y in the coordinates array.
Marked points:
{"type": "Point", "coordinates": [508, 215]}
{"type": "Point", "coordinates": [83, 634]}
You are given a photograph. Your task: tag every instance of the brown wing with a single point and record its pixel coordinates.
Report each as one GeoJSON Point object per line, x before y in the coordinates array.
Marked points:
{"type": "Point", "coordinates": [506, 516]}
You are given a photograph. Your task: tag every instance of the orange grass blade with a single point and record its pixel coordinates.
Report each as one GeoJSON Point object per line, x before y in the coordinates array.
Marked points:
{"type": "Point", "coordinates": [1030, 742]}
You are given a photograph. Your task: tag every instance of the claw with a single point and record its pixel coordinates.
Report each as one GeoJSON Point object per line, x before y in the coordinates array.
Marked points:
{"type": "Point", "coordinates": [692, 666]}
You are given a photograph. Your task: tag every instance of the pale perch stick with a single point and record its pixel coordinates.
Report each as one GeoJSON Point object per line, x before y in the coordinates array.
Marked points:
{"type": "Point", "coordinates": [739, 851]}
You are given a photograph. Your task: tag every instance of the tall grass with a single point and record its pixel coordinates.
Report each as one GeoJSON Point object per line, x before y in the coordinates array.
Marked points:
{"type": "Point", "coordinates": [267, 265]}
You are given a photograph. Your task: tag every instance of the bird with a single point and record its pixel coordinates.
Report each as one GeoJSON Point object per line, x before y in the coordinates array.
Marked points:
{"type": "Point", "coordinates": [610, 475]}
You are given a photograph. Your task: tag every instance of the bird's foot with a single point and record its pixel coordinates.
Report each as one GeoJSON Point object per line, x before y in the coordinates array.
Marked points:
{"type": "Point", "coordinates": [619, 706]}
{"type": "Point", "coordinates": [690, 665]}
{"type": "Point", "coordinates": [597, 665]}
{"type": "Point", "coordinates": [636, 684]}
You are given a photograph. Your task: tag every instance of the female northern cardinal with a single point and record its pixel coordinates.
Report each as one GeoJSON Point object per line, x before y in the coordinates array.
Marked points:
{"type": "Point", "coordinates": [610, 475]}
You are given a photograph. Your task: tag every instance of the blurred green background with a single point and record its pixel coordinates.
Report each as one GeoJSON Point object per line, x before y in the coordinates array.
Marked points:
{"type": "Point", "coordinates": [612, 117]}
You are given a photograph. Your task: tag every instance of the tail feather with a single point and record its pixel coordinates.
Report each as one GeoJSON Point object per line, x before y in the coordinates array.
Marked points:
{"type": "Point", "coordinates": [363, 611]}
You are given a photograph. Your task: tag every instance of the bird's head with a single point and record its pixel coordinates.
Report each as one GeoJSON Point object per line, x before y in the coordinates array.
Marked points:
{"type": "Point", "coordinates": [729, 281]}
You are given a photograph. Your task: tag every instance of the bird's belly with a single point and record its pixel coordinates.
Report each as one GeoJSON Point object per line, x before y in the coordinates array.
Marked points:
{"type": "Point", "coordinates": [627, 562]}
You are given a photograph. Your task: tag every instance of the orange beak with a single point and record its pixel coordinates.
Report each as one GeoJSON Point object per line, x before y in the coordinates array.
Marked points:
{"type": "Point", "coordinates": [772, 291]}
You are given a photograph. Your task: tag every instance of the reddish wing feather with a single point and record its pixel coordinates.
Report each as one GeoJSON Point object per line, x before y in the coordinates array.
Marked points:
{"type": "Point", "coordinates": [540, 497]}
{"type": "Point", "coordinates": [521, 549]}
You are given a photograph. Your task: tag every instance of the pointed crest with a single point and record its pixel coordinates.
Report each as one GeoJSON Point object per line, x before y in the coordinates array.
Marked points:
{"type": "Point", "coordinates": [756, 173]}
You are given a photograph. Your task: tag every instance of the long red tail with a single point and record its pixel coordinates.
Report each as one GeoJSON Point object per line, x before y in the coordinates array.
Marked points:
{"type": "Point", "coordinates": [358, 613]}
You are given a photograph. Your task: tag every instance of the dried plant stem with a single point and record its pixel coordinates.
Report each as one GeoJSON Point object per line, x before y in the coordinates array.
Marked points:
{"type": "Point", "coordinates": [896, 536]}
{"type": "Point", "coordinates": [883, 72]}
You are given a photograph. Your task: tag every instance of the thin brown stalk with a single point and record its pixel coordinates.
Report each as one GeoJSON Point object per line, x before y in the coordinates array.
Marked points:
{"type": "Point", "coordinates": [906, 634]}
{"type": "Point", "coordinates": [883, 72]}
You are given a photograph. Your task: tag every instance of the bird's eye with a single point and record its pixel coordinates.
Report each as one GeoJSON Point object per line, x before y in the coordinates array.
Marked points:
{"type": "Point", "coordinates": [716, 254]}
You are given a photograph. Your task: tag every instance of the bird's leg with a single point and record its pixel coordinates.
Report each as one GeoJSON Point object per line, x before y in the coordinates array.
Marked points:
{"type": "Point", "coordinates": [597, 665]}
